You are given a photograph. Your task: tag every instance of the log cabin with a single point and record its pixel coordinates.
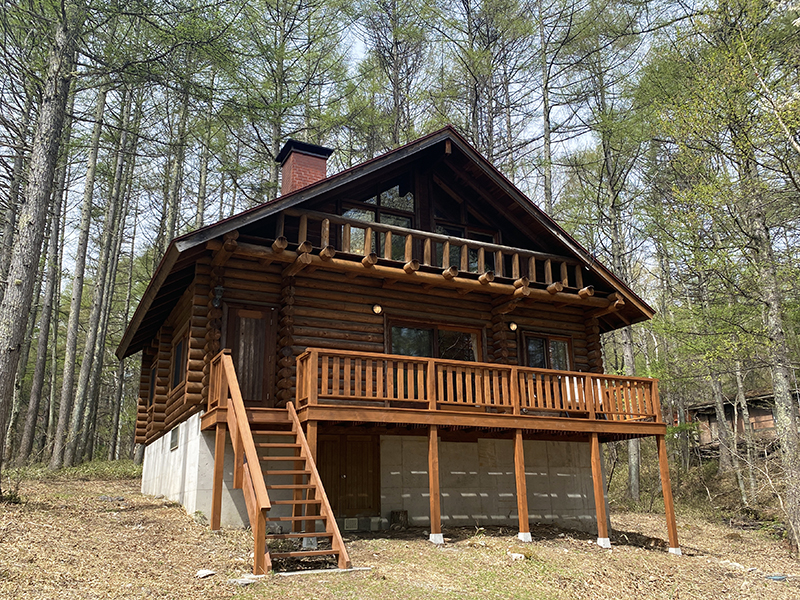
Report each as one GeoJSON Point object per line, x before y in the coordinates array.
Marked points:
{"type": "Point", "coordinates": [410, 341]}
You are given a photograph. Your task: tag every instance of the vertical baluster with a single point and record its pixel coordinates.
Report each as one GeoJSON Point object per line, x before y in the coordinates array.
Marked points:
{"type": "Point", "coordinates": [347, 375]}
{"type": "Point", "coordinates": [495, 387]}
{"type": "Point", "coordinates": [409, 248]}
{"type": "Point", "coordinates": [487, 386]}
{"type": "Point", "coordinates": [430, 383]}
{"type": "Point", "coordinates": [505, 399]}
{"type": "Point", "coordinates": [578, 276]}
{"type": "Point", "coordinates": [370, 392]}
{"type": "Point", "coordinates": [440, 382]}
{"type": "Point", "coordinates": [464, 258]}
{"type": "Point", "coordinates": [426, 252]}
{"type": "Point", "coordinates": [515, 266]}
{"type": "Point", "coordinates": [359, 367]}
{"type": "Point", "coordinates": [459, 384]}
{"type": "Point", "coordinates": [548, 271]}
{"type": "Point", "coordinates": [302, 234]}
{"type": "Point", "coordinates": [367, 240]}
{"type": "Point", "coordinates": [336, 375]}
{"type": "Point", "coordinates": [387, 245]}
{"type": "Point", "coordinates": [445, 255]}
{"type": "Point", "coordinates": [498, 263]}
{"type": "Point", "coordinates": [419, 393]}
{"type": "Point", "coordinates": [532, 269]}
{"type": "Point", "coordinates": [325, 233]}
{"type": "Point", "coordinates": [470, 375]}
{"type": "Point", "coordinates": [280, 225]}
{"type": "Point", "coordinates": [380, 367]}
{"type": "Point", "coordinates": [324, 379]}
{"type": "Point", "coordinates": [564, 275]}
{"type": "Point", "coordinates": [346, 238]}
{"type": "Point", "coordinates": [481, 260]}
{"type": "Point", "coordinates": [479, 377]}
{"type": "Point", "coordinates": [391, 375]}
{"type": "Point", "coordinates": [401, 383]}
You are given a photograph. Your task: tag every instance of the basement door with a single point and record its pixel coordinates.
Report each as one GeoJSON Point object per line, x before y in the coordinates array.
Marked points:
{"type": "Point", "coordinates": [349, 466]}
{"type": "Point", "coordinates": [251, 336]}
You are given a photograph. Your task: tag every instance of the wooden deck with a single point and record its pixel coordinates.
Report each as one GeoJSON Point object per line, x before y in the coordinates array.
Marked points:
{"type": "Point", "coordinates": [335, 385]}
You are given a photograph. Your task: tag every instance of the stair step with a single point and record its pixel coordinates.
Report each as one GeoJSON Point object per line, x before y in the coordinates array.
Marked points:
{"type": "Point", "coordinates": [277, 445]}
{"type": "Point", "coordinates": [291, 458]}
{"type": "Point", "coordinates": [302, 553]}
{"type": "Point", "coordinates": [274, 432]}
{"type": "Point", "coordinates": [315, 501]}
{"type": "Point", "coordinates": [287, 536]}
{"type": "Point", "coordinates": [308, 518]}
{"type": "Point", "coordinates": [292, 486]}
{"type": "Point", "coordinates": [287, 472]}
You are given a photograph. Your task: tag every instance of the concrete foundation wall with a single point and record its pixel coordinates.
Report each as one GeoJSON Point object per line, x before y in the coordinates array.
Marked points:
{"type": "Point", "coordinates": [186, 474]}
{"type": "Point", "coordinates": [478, 485]}
{"type": "Point", "coordinates": [477, 480]}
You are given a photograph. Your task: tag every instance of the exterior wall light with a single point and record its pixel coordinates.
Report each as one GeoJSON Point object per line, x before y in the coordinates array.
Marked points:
{"type": "Point", "coordinates": [512, 326]}
{"type": "Point", "coordinates": [377, 309]}
{"type": "Point", "coordinates": [216, 302]}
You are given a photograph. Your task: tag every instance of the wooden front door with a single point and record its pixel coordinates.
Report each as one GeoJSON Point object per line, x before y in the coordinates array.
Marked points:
{"type": "Point", "coordinates": [349, 466]}
{"type": "Point", "coordinates": [251, 336]}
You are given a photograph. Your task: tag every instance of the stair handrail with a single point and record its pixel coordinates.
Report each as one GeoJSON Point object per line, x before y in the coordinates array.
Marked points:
{"type": "Point", "coordinates": [337, 543]}
{"type": "Point", "coordinates": [247, 473]}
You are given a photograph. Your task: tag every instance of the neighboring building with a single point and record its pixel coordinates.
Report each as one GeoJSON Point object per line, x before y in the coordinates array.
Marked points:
{"type": "Point", "coordinates": [762, 418]}
{"type": "Point", "coordinates": [411, 340]}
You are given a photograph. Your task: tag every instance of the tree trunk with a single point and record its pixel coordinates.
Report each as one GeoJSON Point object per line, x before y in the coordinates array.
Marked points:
{"type": "Point", "coordinates": [73, 321]}
{"type": "Point", "coordinates": [16, 302]}
{"type": "Point", "coordinates": [94, 325]}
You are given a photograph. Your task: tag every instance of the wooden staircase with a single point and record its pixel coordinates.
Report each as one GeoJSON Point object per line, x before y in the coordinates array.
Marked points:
{"type": "Point", "coordinates": [276, 461]}
{"type": "Point", "coordinates": [298, 499]}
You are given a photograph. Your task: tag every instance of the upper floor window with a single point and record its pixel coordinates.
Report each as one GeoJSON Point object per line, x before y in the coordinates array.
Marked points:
{"type": "Point", "coordinates": [393, 206]}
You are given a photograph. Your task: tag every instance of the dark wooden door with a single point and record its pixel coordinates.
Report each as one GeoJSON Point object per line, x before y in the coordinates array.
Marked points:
{"type": "Point", "coordinates": [349, 466]}
{"type": "Point", "coordinates": [251, 336]}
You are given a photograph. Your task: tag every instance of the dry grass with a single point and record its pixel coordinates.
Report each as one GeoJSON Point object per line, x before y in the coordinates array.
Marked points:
{"type": "Point", "coordinates": [75, 539]}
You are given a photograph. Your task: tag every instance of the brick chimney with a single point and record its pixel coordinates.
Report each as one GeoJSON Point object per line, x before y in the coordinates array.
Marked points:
{"type": "Point", "coordinates": [301, 164]}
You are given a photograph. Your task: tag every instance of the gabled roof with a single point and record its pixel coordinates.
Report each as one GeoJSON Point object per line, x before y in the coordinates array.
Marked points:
{"type": "Point", "coordinates": [178, 260]}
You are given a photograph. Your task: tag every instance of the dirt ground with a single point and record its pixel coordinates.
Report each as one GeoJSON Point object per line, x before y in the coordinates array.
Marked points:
{"type": "Point", "coordinates": [103, 539]}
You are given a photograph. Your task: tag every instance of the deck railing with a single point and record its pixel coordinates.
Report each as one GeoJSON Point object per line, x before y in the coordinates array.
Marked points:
{"type": "Point", "coordinates": [337, 234]}
{"type": "Point", "coordinates": [393, 381]}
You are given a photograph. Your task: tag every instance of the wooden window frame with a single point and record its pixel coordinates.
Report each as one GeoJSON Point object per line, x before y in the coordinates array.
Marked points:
{"type": "Point", "coordinates": [435, 326]}
{"type": "Point", "coordinates": [181, 339]}
{"type": "Point", "coordinates": [547, 337]}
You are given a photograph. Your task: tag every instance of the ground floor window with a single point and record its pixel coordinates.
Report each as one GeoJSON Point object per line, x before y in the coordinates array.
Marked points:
{"type": "Point", "coordinates": [545, 352]}
{"type": "Point", "coordinates": [435, 341]}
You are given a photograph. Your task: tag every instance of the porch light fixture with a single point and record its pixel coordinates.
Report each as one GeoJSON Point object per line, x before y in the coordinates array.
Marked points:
{"type": "Point", "coordinates": [377, 309]}
{"type": "Point", "coordinates": [217, 300]}
{"type": "Point", "coordinates": [512, 326]}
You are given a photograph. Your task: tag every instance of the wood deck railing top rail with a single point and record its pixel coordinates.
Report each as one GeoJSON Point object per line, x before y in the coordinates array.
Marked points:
{"type": "Point", "coordinates": [414, 247]}
{"type": "Point", "coordinates": [394, 381]}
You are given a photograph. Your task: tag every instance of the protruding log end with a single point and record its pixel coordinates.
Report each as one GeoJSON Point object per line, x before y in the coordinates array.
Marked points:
{"type": "Point", "coordinates": [327, 253]}
{"type": "Point", "coordinates": [411, 266]}
{"type": "Point", "coordinates": [486, 278]}
{"type": "Point", "coordinates": [450, 273]}
{"type": "Point", "coordinates": [586, 292]}
{"type": "Point", "coordinates": [280, 245]}
{"type": "Point", "coordinates": [522, 282]}
{"type": "Point", "coordinates": [370, 260]}
{"type": "Point", "coordinates": [555, 287]}
{"type": "Point", "coordinates": [305, 247]}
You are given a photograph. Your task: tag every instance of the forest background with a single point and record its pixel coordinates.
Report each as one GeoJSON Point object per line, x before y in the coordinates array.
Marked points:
{"type": "Point", "coordinates": [664, 135]}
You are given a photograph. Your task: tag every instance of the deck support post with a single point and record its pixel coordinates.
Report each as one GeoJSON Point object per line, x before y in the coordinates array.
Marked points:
{"type": "Point", "coordinates": [669, 506]}
{"type": "Point", "coordinates": [219, 469]}
{"type": "Point", "coordinates": [433, 485]}
{"type": "Point", "coordinates": [522, 488]}
{"type": "Point", "coordinates": [599, 496]}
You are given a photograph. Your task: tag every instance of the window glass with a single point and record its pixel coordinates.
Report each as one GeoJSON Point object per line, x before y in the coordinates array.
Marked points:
{"type": "Point", "coordinates": [411, 341]}
{"type": "Point", "coordinates": [537, 357]}
{"type": "Point", "coordinates": [559, 355]}
{"type": "Point", "coordinates": [178, 363]}
{"type": "Point", "coordinates": [391, 198]}
{"type": "Point", "coordinates": [152, 392]}
{"type": "Point", "coordinates": [458, 345]}
{"type": "Point", "coordinates": [360, 214]}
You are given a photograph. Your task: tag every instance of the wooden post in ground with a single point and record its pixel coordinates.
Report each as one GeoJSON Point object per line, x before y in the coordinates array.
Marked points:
{"type": "Point", "coordinates": [311, 509]}
{"type": "Point", "coordinates": [219, 468]}
{"type": "Point", "coordinates": [522, 488]}
{"type": "Point", "coordinates": [599, 496]}
{"type": "Point", "coordinates": [433, 485]}
{"type": "Point", "coordinates": [669, 507]}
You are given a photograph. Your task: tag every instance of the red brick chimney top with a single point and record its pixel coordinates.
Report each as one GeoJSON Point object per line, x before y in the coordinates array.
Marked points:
{"type": "Point", "coordinates": [301, 164]}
